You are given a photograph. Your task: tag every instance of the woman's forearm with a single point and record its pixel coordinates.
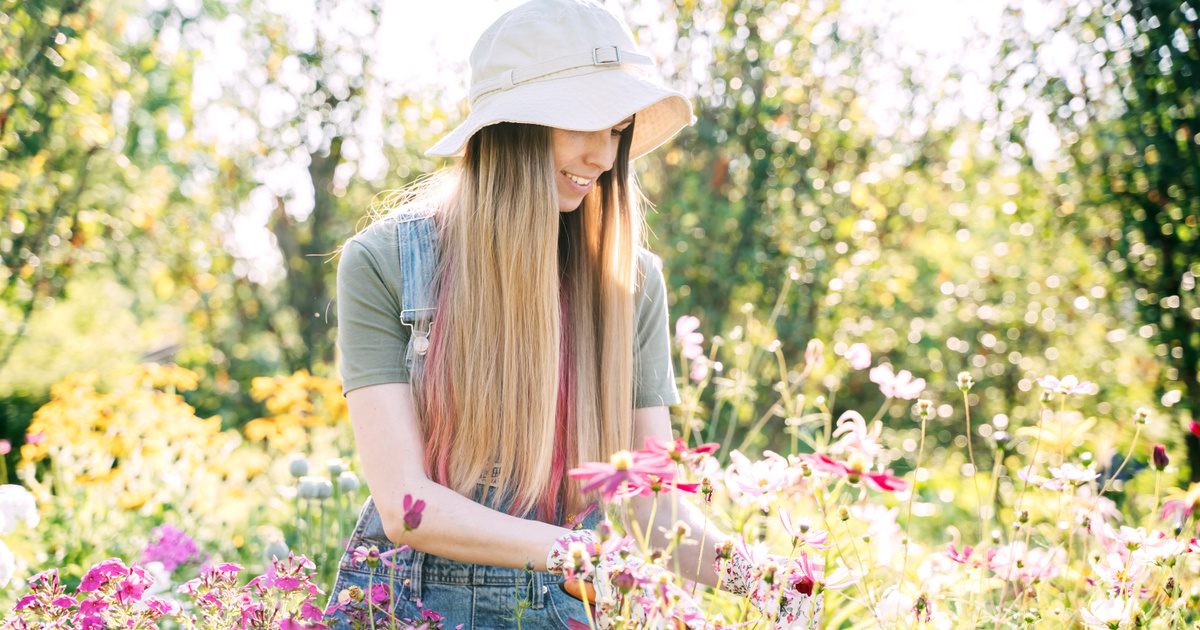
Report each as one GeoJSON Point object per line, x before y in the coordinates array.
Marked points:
{"type": "Point", "coordinates": [457, 528]}
{"type": "Point", "coordinates": [697, 554]}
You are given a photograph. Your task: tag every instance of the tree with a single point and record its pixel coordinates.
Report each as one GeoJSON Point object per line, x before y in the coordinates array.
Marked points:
{"type": "Point", "coordinates": [1126, 105]}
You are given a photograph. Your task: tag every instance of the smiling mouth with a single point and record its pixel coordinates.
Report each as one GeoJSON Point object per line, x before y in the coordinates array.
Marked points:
{"type": "Point", "coordinates": [580, 181]}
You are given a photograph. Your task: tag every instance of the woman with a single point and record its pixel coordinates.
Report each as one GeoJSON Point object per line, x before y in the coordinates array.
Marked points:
{"type": "Point", "coordinates": [504, 325]}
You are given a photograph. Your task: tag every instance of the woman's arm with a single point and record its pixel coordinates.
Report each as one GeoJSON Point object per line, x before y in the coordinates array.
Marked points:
{"type": "Point", "coordinates": [656, 422]}
{"type": "Point", "coordinates": [452, 526]}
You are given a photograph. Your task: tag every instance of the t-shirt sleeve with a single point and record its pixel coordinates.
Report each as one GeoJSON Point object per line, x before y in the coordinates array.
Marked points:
{"type": "Point", "coordinates": [653, 370]}
{"type": "Point", "coordinates": [371, 339]}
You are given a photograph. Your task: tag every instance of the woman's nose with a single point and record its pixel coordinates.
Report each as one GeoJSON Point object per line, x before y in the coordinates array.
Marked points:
{"type": "Point", "coordinates": [602, 149]}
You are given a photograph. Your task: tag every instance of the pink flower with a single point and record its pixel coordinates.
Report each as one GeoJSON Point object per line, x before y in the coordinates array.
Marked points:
{"type": "Point", "coordinates": [882, 481]}
{"type": "Point", "coordinates": [1068, 385]}
{"type": "Point", "coordinates": [902, 385]}
{"type": "Point", "coordinates": [756, 482]}
{"type": "Point", "coordinates": [625, 473]}
{"type": "Point", "coordinates": [171, 547]}
{"type": "Point", "coordinates": [809, 572]}
{"type": "Point", "coordinates": [1021, 563]}
{"type": "Point", "coordinates": [687, 337]}
{"type": "Point", "coordinates": [101, 573]}
{"type": "Point", "coordinates": [859, 356]}
{"type": "Point", "coordinates": [699, 368]}
{"type": "Point", "coordinates": [814, 354]}
{"type": "Point", "coordinates": [412, 512]}
{"type": "Point", "coordinates": [5, 447]}
{"type": "Point", "coordinates": [35, 438]}
{"type": "Point", "coordinates": [677, 451]}
{"type": "Point", "coordinates": [957, 556]}
{"type": "Point", "coordinates": [162, 606]}
{"type": "Point", "coordinates": [856, 438]}
{"type": "Point", "coordinates": [801, 533]}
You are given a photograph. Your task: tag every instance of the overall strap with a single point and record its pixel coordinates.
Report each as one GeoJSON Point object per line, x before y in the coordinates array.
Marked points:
{"type": "Point", "coordinates": [416, 238]}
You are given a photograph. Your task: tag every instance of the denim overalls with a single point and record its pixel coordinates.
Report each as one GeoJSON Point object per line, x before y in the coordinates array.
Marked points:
{"type": "Point", "coordinates": [474, 595]}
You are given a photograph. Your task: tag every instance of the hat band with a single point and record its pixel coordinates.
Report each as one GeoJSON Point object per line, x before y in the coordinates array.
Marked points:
{"type": "Point", "coordinates": [599, 56]}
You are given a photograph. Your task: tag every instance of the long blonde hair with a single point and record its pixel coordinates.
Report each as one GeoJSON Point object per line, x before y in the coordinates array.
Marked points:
{"type": "Point", "coordinates": [530, 364]}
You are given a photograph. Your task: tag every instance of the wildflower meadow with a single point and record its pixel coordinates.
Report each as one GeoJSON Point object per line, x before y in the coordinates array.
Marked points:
{"type": "Point", "coordinates": [856, 527]}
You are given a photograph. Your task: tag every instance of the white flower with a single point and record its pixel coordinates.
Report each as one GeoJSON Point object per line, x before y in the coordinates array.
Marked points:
{"type": "Point", "coordinates": [1107, 613]}
{"type": "Point", "coordinates": [1122, 573]}
{"type": "Point", "coordinates": [8, 565]}
{"type": "Point", "coordinates": [1069, 384]}
{"type": "Point", "coordinates": [855, 437]}
{"type": "Point", "coordinates": [894, 606]}
{"type": "Point", "coordinates": [16, 505]}
{"type": "Point", "coordinates": [1073, 473]}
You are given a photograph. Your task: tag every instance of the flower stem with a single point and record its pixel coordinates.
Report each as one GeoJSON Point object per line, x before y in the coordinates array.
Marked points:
{"type": "Point", "coordinates": [911, 493]}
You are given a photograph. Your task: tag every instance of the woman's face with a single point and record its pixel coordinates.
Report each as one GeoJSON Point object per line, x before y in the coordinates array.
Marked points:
{"type": "Point", "coordinates": [580, 157]}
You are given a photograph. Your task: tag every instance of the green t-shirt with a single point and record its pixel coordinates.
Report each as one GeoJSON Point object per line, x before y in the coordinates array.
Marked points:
{"type": "Point", "coordinates": [372, 340]}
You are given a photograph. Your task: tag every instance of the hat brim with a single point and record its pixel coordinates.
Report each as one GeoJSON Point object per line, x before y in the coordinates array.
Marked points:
{"type": "Point", "coordinates": [585, 102]}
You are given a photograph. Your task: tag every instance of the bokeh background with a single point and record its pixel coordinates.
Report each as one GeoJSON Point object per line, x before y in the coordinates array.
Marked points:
{"type": "Point", "coordinates": [1009, 188]}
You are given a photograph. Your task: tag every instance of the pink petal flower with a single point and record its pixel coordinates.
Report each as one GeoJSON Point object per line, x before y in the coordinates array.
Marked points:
{"type": "Point", "coordinates": [859, 356]}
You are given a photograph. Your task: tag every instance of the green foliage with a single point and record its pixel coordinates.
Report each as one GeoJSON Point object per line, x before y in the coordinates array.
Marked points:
{"type": "Point", "coordinates": [1128, 175]}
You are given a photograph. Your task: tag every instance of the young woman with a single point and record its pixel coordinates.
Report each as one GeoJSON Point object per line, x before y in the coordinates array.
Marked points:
{"type": "Point", "coordinates": [503, 324]}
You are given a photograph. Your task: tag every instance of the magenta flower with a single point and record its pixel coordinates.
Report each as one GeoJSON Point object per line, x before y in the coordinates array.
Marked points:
{"type": "Point", "coordinates": [809, 572]}
{"type": "Point", "coordinates": [688, 338]}
{"type": "Point", "coordinates": [171, 547]}
{"type": "Point", "coordinates": [677, 451]}
{"type": "Point", "coordinates": [101, 573]}
{"type": "Point", "coordinates": [371, 556]}
{"type": "Point", "coordinates": [961, 557]}
{"type": "Point", "coordinates": [859, 356]}
{"type": "Point", "coordinates": [626, 473]}
{"type": "Point", "coordinates": [902, 385]}
{"type": "Point", "coordinates": [882, 481]}
{"type": "Point", "coordinates": [412, 512]}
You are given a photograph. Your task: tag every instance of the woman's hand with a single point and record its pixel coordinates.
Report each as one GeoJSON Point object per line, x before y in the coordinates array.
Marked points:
{"type": "Point", "coordinates": [617, 584]}
{"type": "Point", "coordinates": [775, 585]}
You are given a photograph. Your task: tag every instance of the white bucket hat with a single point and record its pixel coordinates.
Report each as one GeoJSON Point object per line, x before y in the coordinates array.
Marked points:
{"type": "Point", "coordinates": [569, 64]}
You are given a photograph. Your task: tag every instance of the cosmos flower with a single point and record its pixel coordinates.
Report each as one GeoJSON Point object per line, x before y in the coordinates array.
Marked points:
{"type": "Point", "coordinates": [893, 385]}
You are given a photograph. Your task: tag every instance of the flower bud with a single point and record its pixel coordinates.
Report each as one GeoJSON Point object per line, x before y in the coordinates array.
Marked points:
{"type": "Point", "coordinates": [1023, 516]}
{"type": "Point", "coordinates": [843, 513]}
{"type": "Point", "coordinates": [1159, 457]}
{"type": "Point", "coordinates": [925, 408]}
{"type": "Point", "coordinates": [324, 488]}
{"type": "Point", "coordinates": [335, 466]}
{"type": "Point", "coordinates": [307, 488]}
{"type": "Point", "coordinates": [624, 581]}
{"type": "Point", "coordinates": [682, 530]}
{"type": "Point", "coordinates": [965, 382]}
{"type": "Point", "coordinates": [275, 549]}
{"type": "Point", "coordinates": [298, 466]}
{"type": "Point", "coordinates": [1047, 396]}
{"type": "Point", "coordinates": [724, 550]}
{"type": "Point", "coordinates": [347, 482]}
